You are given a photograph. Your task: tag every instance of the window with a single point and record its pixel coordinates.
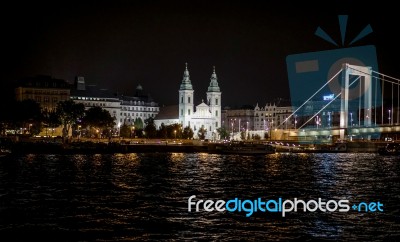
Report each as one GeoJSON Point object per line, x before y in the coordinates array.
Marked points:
{"type": "Point", "coordinates": [181, 99]}
{"type": "Point", "coordinates": [188, 99]}
{"type": "Point", "coordinates": [216, 113]}
{"type": "Point", "coordinates": [216, 101]}
{"type": "Point", "coordinates": [46, 99]}
{"type": "Point", "coordinates": [181, 112]}
{"type": "Point", "coordinates": [210, 128]}
{"type": "Point", "coordinates": [188, 111]}
{"type": "Point", "coordinates": [216, 124]}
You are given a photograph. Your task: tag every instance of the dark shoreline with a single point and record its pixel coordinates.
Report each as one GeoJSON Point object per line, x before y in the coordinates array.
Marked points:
{"type": "Point", "coordinates": [114, 147]}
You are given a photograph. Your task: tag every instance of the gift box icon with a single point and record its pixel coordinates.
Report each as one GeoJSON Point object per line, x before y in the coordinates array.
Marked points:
{"type": "Point", "coordinates": [308, 72]}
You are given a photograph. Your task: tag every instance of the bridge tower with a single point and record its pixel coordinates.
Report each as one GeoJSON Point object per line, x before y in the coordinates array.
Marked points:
{"type": "Point", "coordinates": [365, 73]}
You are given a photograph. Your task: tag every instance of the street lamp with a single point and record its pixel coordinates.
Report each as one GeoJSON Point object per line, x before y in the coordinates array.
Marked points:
{"type": "Point", "coordinates": [351, 119]}
{"type": "Point", "coordinates": [295, 121]}
{"type": "Point", "coordinates": [389, 117]}
{"type": "Point", "coordinates": [286, 123]}
{"type": "Point", "coordinates": [232, 130]}
{"type": "Point", "coordinates": [175, 133]}
{"type": "Point", "coordinates": [329, 119]}
{"type": "Point", "coordinates": [119, 129]}
{"type": "Point", "coordinates": [317, 121]}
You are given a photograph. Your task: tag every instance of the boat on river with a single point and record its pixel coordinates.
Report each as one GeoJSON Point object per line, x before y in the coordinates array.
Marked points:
{"type": "Point", "coordinates": [390, 149]}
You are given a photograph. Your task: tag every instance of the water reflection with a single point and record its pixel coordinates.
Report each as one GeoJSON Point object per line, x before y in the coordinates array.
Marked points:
{"type": "Point", "coordinates": [144, 196]}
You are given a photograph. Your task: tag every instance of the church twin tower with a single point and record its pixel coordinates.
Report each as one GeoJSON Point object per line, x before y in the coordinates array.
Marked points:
{"type": "Point", "coordinates": [207, 115]}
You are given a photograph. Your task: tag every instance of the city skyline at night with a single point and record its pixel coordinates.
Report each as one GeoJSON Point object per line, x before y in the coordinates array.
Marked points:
{"type": "Point", "coordinates": [122, 44]}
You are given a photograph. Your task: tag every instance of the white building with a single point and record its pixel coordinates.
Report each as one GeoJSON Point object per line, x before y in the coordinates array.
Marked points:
{"type": "Point", "coordinates": [125, 109]}
{"type": "Point", "coordinates": [272, 116]}
{"type": "Point", "coordinates": [206, 115]}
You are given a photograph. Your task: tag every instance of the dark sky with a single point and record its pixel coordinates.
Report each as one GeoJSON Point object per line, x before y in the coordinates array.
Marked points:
{"type": "Point", "coordinates": [119, 44]}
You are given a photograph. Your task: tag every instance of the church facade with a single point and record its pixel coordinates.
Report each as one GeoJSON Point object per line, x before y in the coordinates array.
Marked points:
{"type": "Point", "coordinates": [206, 115]}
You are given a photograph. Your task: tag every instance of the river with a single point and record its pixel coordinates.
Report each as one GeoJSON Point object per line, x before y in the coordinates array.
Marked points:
{"type": "Point", "coordinates": [123, 197]}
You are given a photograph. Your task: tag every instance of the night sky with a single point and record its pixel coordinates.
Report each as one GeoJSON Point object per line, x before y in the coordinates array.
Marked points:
{"type": "Point", "coordinates": [119, 44]}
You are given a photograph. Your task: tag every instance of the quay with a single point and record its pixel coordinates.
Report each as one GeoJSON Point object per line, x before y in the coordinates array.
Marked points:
{"type": "Point", "coordinates": [104, 146]}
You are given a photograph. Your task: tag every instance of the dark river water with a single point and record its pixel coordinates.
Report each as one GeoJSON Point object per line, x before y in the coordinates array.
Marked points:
{"type": "Point", "coordinates": [145, 196]}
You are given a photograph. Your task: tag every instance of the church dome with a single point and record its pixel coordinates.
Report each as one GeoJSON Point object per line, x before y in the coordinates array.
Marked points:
{"type": "Point", "coordinates": [213, 87]}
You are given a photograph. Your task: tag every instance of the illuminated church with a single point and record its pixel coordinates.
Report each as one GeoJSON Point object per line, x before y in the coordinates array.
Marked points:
{"type": "Point", "coordinates": [206, 115]}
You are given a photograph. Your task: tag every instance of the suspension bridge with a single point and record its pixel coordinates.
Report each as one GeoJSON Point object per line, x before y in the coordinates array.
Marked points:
{"type": "Point", "coordinates": [357, 108]}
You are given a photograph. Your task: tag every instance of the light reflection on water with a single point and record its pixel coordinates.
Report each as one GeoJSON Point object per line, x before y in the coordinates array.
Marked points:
{"type": "Point", "coordinates": [144, 196]}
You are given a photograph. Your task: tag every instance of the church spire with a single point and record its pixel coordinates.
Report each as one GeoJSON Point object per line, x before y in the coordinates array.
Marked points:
{"type": "Point", "coordinates": [213, 87]}
{"type": "Point", "coordinates": [186, 83]}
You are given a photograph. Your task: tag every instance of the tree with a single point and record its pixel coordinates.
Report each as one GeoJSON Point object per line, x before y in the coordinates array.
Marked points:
{"type": "Point", "coordinates": [51, 119]}
{"type": "Point", "coordinates": [69, 113]}
{"type": "Point", "coordinates": [98, 118]}
{"type": "Point", "coordinates": [243, 135]}
{"type": "Point", "coordinates": [125, 131]}
{"type": "Point", "coordinates": [138, 123]}
{"type": "Point", "coordinates": [150, 128]}
{"type": "Point", "coordinates": [266, 135]}
{"type": "Point", "coordinates": [174, 131]}
{"type": "Point", "coordinates": [257, 137]}
{"type": "Point", "coordinates": [162, 132]}
{"type": "Point", "coordinates": [187, 133]}
{"type": "Point", "coordinates": [202, 133]}
{"type": "Point", "coordinates": [223, 133]}
{"type": "Point", "coordinates": [30, 116]}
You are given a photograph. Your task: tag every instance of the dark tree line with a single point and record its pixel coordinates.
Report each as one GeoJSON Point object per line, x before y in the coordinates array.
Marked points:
{"type": "Point", "coordinates": [27, 117]}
